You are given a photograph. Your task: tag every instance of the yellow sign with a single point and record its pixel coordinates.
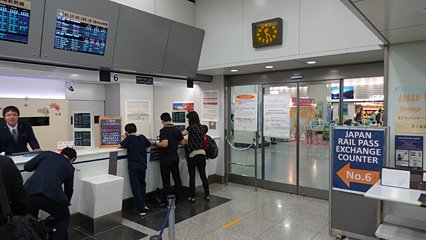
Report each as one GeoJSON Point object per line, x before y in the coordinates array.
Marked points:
{"type": "Point", "coordinates": [410, 114]}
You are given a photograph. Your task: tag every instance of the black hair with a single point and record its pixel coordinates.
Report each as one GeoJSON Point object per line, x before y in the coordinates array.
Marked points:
{"type": "Point", "coordinates": [166, 117]}
{"type": "Point", "coordinates": [193, 118]}
{"type": "Point", "coordinates": [130, 128]}
{"type": "Point", "coordinates": [10, 109]}
{"type": "Point", "coordinates": [70, 153]}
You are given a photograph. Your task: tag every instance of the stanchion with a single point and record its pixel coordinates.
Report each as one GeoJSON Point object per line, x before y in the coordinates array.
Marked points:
{"type": "Point", "coordinates": [170, 218]}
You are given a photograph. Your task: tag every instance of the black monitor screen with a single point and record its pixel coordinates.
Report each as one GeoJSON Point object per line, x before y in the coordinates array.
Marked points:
{"type": "Point", "coordinates": [78, 33]}
{"type": "Point", "coordinates": [15, 21]}
{"type": "Point", "coordinates": [178, 117]}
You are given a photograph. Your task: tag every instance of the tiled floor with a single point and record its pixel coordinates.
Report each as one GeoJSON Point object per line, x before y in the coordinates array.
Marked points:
{"type": "Point", "coordinates": [255, 215]}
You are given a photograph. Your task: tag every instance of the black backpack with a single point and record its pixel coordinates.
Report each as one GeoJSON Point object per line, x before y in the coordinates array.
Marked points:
{"type": "Point", "coordinates": [210, 147]}
{"type": "Point", "coordinates": [18, 227]}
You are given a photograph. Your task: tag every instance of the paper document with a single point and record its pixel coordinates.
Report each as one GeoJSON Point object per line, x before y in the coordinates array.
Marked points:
{"type": "Point", "coordinates": [396, 178]}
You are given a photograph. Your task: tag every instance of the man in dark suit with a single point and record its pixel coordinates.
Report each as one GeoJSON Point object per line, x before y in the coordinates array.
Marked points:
{"type": "Point", "coordinates": [14, 135]}
{"type": "Point", "coordinates": [14, 186]}
{"type": "Point", "coordinates": [51, 171]}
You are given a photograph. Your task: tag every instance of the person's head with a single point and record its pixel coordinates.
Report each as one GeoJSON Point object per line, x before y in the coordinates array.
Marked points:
{"type": "Point", "coordinates": [380, 110]}
{"type": "Point", "coordinates": [130, 128]}
{"type": "Point", "coordinates": [193, 118]}
{"type": "Point", "coordinates": [70, 153]}
{"type": "Point", "coordinates": [165, 118]}
{"type": "Point", "coordinates": [11, 115]}
{"type": "Point", "coordinates": [205, 129]}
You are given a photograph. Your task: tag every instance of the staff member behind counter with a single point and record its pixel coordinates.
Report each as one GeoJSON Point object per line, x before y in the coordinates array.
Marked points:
{"type": "Point", "coordinates": [15, 135]}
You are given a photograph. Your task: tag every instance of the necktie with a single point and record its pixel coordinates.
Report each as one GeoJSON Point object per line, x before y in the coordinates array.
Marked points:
{"type": "Point", "coordinates": [15, 135]}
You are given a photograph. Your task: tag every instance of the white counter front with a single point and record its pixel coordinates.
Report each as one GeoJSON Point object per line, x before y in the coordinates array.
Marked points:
{"type": "Point", "coordinates": [96, 162]}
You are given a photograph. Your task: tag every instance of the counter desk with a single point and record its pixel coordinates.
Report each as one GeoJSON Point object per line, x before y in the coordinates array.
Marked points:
{"type": "Point", "coordinates": [113, 161]}
{"type": "Point", "coordinates": [399, 195]}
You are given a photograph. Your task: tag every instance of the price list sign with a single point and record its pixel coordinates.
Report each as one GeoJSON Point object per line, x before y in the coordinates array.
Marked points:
{"type": "Point", "coordinates": [110, 132]}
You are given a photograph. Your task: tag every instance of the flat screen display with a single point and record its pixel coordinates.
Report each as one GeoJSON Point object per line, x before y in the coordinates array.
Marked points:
{"type": "Point", "coordinates": [178, 117]}
{"type": "Point", "coordinates": [348, 92]}
{"type": "Point", "coordinates": [78, 33]}
{"type": "Point", "coordinates": [14, 20]}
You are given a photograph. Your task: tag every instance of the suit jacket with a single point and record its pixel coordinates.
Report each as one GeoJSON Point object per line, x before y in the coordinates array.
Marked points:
{"type": "Point", "coordinates": [51, 170]}
{"type": "Point", "coordinates": [25, 136]}
{"type": "Point", "coordinates": [14, 186]}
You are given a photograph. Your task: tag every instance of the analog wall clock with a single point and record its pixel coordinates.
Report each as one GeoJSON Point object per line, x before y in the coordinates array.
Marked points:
{"type": "Point", "coordinates": [267, 33]}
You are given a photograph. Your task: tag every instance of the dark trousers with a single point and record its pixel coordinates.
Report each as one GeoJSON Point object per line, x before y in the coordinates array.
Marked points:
{"type": "Point", "coordinates": [60, 214]}
{"type": "Point", "coordinates": [138, 186]}
{"type": "Point", "coordinates": [167, 167]}
{"type": "Point", "coordinates": [198, 161]}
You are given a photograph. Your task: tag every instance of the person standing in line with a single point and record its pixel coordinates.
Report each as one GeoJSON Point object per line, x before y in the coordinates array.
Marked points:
{"type": "Point", "coordinates": [51, 171]}
{"type": "Point", "coordinates": [197, 154]}
{"type": "Point", "coordinates": [379, 117]}
{"type": "Point", "coordinates": [170, 138]}
{"type": "Point", "coordinates": [15, 135]}
{"type": "Point", "coordinates": [136, 146]}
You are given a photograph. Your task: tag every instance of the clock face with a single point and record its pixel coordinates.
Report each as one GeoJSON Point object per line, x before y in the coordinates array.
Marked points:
{"type": "Point", "coordinates": [267, 33]}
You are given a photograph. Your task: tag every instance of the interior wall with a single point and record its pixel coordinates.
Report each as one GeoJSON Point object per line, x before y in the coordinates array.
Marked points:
{"type": "Point", "coordinates": [406, 69]}
{"type": "Point", "coordinates": [178, 10]}
{"type": "Point", "coordinates": [310, 28]}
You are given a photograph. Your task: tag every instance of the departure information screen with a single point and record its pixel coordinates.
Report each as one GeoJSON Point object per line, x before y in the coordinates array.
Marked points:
{"type": "Point", "coordinates": [14, 20]}
{"type": "Point", "coordinates": [78, 33]}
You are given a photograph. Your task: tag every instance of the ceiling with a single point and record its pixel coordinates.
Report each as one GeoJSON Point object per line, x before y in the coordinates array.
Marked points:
{"type": "Point", "coordinates": [393, 21]}
{"type": "Point", "coordinates": [323, 61]}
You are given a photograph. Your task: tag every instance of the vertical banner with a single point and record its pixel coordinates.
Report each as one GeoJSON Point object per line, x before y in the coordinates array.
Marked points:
{"type": "Point", "coordinates": [409, 151]}
{"type": "Point", "coordinates": [210, 106]}
{"type": "Point", "coordinates": [358, 157]}
{"type": "Point", "coordinates": [276, 116]}
{"type": "Point", "coordinates": [245, 114]}
{"type": "Point", "coordinates": [410, 110]}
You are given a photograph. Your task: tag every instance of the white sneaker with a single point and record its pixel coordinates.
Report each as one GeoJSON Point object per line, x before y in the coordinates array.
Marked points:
{"type": "Point", "coordinates": [142, 213]}
{"type": "Point", "coordinates": [146, 208]}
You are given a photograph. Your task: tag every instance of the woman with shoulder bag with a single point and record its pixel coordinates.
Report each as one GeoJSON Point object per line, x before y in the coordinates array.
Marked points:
{"type": "Point", "coordinates": [197, 154]}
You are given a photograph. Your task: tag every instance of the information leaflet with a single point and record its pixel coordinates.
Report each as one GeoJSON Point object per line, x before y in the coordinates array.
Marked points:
{"type": "Point", "coordinates": [245, 118]}
{"type": "Point", "coordinates": [358, 157]}
{"type": "Point", "coordinates": [277, 116]}
{"type": "Point", "coordinates": [409, 151]}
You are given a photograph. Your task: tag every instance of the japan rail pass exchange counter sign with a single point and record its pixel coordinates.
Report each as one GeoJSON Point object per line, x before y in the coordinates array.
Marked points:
{"type": "Point", "coordinates": [358, 157]}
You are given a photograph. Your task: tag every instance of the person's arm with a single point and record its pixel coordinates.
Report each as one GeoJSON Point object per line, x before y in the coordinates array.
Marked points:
{"type": "Point", "coordinates": [19, 197]}
{"type": "Point", "coordinates": [146, 141]}
{"type": "Point", "coordinates": [124, 143]}
{"type": "Point", "coordinates": [68, 185]}
{"type": "Point", "coordinates": [185, 132]}
{"type": "Point", "coordinates": [32, 140]}
{"type": "Point", "coordinates": [164, 141]}
{"type": "Point", "coordinates": [32, 164]}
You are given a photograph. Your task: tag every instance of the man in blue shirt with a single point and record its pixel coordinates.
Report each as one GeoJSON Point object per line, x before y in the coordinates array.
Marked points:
{"type": "Point", "coordinates": [51, 171]}
{"type": "Point", "coordinates": [136, 146]}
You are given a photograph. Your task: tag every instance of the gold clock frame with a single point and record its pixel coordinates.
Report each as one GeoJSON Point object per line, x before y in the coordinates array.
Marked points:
{"type": "Point", "coordinates": [272, 28]}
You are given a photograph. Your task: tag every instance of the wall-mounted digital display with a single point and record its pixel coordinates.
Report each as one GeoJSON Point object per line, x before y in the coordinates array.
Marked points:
{"type": "Point", "coordinates": [348, 92]}
{"type": "Point", "coordinates": [78, 33]}
{"type": "Point", "coordinates": [14, 20]}
{"type": "Point", "coordinates": [178, 117]}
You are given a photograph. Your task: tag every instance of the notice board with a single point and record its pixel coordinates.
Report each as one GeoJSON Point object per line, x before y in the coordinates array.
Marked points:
{"type": "Point", "coordinates": [110, 132]}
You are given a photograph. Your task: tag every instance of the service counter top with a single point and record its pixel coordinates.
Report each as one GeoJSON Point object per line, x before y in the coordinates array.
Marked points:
{"type": "Point", "coordinates": [394, 194]}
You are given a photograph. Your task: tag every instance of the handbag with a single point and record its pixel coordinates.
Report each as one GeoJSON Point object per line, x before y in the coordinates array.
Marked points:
{"type": "Point", "coordinates": [18, 227]}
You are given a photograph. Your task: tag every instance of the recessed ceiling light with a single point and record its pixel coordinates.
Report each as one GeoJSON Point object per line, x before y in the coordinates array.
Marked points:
{"type": "Point", "coordinates": [311, 62]}
{"type": "Point", "coordinates": [234, 70]}
{"type": "Point", "coordinates": [74, 75]}
{"type": "Point", "coordinates": [269, 67]}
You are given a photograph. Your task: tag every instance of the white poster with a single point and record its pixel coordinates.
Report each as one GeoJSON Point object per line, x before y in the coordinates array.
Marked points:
{"type": "Point", "coordinates": [138, 112]}
{"type": "Point", "coordinates": [210, 106]}
{"type": "Point", "coordinates": [276, 116]}
{"type": "Point", "coordinates": [245, 114]}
